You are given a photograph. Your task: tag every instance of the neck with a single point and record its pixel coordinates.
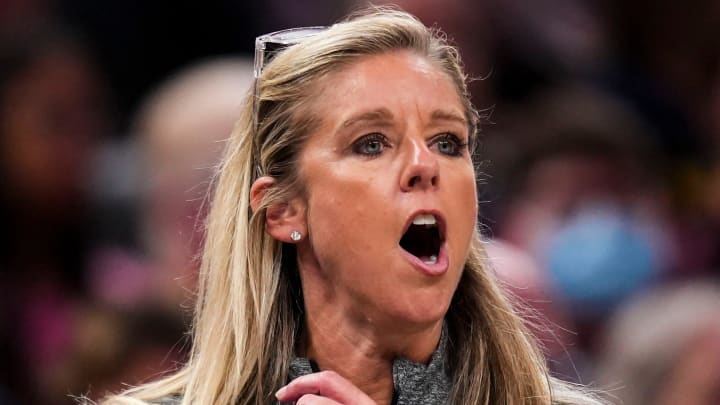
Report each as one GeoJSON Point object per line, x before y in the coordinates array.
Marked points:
{"type": "Point", "coordinates": [340, 338]}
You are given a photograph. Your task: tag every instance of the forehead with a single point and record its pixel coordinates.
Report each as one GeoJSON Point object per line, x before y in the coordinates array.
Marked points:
{"type": "Point", "coordinates": [400, 81]}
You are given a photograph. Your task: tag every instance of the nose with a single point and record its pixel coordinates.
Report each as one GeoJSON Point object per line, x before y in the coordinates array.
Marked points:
{"type": "Point", "coordinates": [421, 170]}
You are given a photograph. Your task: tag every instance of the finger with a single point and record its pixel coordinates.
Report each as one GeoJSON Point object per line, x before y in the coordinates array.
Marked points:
{"type": "Point", "coordinates": [328, 384]}
{"type": "Point", "coordinates": [312, 399]}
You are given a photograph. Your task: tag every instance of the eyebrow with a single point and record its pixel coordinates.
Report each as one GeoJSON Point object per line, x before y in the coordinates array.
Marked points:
{"type": "Point", "coordinates": [384, 115]}
{"type": "Point", "coordinates": [381, 115]}
{"type": "Point", "coordinates": [443, 115]}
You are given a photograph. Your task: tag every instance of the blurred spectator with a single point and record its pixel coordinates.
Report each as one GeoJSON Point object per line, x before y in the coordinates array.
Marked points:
{"type": "Point", "coordinates": [582, 197]}
{"type": "Point", "coordinates": [666, 59]}
{"type": "Point", "coordinates": [52, 117]}
{"type": "Point", "coordinates": [578, 166]}
{"type": "Point", "coordinates": [663, 347]}
{"type": "Point", "coordinates": [180, 129]}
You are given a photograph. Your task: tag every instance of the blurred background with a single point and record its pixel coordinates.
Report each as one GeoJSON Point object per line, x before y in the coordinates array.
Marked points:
{"type": "Point", "coordinates": [600, 180]}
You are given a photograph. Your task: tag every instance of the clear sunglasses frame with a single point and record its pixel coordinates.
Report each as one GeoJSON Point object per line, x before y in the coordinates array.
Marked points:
{"type": "Point", "coordinates": [266, 47]}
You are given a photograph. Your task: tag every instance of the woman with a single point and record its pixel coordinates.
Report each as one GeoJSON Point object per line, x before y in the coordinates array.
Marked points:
{"type": "Point", "coordinates": [342, 262]}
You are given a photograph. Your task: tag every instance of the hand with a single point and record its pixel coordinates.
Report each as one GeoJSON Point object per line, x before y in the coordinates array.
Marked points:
{"type": "Point", "coordinates": [325, 387]}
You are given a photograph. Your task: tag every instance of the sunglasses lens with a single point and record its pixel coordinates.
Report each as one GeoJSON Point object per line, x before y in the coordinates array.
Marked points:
{"type": "Point", "coordinates": [292, 35]}
{"type": "Point", "coordinates": [268, 45]}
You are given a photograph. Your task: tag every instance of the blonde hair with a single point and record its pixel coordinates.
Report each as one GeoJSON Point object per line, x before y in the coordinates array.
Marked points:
{"type": "Point", "coordinates": [249, 308]}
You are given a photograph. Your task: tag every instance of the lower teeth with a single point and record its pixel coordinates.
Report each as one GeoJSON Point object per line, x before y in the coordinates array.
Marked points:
{"type": "Point", "coordinates": [430, 260]}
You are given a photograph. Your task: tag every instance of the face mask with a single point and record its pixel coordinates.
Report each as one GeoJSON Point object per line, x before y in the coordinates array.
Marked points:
{"type": "Point", "coordinates": [599, 257]}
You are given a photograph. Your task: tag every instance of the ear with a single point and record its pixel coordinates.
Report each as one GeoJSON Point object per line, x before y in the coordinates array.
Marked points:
{"type": "Point", "coordinates": [282, 218]}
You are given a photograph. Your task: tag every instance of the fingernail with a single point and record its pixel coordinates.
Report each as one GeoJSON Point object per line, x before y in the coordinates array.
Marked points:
{"type": "Point", "coordinates": [280, 392]}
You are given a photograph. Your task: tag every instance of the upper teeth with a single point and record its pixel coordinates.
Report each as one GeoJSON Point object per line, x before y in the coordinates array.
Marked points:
{"type": "Point", "coordinates": [424, 220]}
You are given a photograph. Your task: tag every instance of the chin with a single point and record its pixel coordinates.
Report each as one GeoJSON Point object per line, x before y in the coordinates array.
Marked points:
{"type": "Point", "coordinates": [423, 311]}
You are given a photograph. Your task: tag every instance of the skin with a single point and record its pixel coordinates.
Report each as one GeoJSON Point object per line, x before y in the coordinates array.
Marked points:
{"type": "Point", "coordinates": [695, 378]}
{"type": "Point", "coordinates": [49, 125]}
{"type": "Point", "coordinates": [380, 154]}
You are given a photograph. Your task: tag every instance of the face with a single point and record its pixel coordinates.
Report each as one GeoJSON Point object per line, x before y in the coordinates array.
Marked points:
{"type": "Point", "coordinates": [390, 201]}
{"type": "Point", "coordinates": [50, 124]}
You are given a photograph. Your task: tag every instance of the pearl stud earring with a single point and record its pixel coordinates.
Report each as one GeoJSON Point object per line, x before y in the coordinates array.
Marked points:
{"type": "Point", "coordinates": [296, 236]}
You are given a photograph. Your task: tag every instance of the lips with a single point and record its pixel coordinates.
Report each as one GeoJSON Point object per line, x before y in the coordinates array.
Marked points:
{"type": "Point", "coordinates": [423, 242]}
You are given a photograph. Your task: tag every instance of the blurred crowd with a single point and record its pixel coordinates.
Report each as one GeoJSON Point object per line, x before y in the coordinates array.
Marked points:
{"type": "Point", "coordinates": [599, 179]}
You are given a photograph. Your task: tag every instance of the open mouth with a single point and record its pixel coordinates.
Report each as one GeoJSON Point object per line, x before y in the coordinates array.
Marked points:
{"type": "Point", "coordinates": [423, 238]}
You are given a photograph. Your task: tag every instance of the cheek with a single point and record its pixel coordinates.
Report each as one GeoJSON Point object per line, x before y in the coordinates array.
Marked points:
{"type": "Point", "coordinates": [462, 210]}
{"type": "Point", "coordinates": [347, 220]}
{"type": "Point", "coordinates": [467, 195]}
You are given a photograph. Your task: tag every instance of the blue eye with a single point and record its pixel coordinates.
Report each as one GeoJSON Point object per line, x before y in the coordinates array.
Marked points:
{"type": "Point", "coordinates": [449, 144]}
{"type": "Point", "coordinates": [370, 145]}
{"type": "Point", "coordinates": [447, 147]}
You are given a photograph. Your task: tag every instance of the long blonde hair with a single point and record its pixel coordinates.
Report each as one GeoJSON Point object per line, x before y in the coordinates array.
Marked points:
{"type": "Point", "coordinates": [249, 307]}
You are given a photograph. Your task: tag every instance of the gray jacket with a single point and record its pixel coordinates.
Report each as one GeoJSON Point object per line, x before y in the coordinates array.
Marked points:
{"type": "Point", "coordinates": [415, 383]}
